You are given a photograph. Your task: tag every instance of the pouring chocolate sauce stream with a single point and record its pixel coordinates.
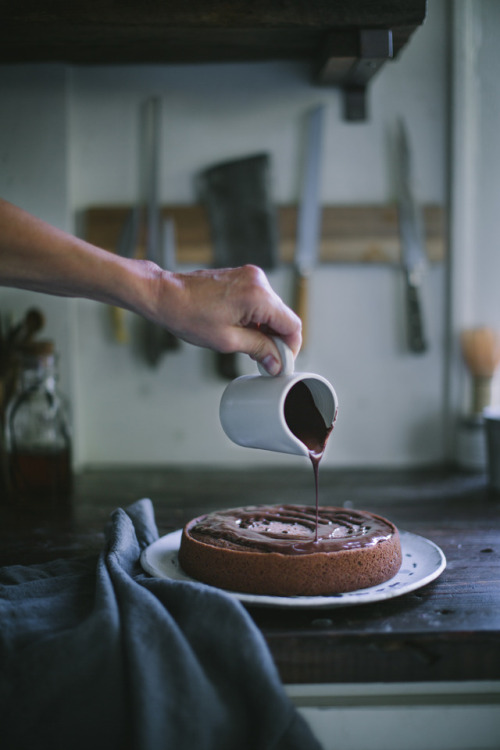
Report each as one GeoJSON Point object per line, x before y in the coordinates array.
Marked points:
{"type": "Point", "coordinates": [305, 421]}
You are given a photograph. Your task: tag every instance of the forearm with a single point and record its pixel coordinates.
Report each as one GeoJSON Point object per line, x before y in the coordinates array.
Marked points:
{"type": "Point", "coordinates": [35, 255]}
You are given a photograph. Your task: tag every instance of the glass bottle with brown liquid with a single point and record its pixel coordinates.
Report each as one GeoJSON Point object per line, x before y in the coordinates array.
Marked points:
{"type": "Point", "coordinates": [37, 436]}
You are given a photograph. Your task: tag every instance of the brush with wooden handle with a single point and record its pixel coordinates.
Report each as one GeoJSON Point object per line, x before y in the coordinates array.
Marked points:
{"type": "Point", "coordinates": [481, 352]}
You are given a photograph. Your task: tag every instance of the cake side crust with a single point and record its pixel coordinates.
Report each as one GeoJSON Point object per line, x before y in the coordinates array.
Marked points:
{"type": "Point", "coordinates": [277, 574]}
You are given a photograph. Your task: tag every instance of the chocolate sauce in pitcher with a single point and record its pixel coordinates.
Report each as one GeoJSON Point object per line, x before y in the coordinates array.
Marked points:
{"type": "Point", "coordinates": [305, 421]}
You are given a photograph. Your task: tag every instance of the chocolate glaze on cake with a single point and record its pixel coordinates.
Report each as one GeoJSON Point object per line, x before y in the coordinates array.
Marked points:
{"type": "Point", "coordinates": [290, 529]}
{"type": "Point", "coordinates": [273, 550]}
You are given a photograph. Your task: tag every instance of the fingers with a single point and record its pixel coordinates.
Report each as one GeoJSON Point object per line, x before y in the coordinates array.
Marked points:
{"type": "Point", "coordinates": [264, 309]}
{"type": "Point", "coordinates": [287, 325]}
{"type": "Point", "coordinates": [260, 348]}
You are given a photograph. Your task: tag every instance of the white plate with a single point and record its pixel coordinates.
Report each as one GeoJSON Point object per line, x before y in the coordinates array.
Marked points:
{"type": "Point", "coordinates": [423, 561]}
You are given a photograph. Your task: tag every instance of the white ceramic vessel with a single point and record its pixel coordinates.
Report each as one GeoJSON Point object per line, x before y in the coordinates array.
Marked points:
{"type": "Point", "coordinates": [252, 408]}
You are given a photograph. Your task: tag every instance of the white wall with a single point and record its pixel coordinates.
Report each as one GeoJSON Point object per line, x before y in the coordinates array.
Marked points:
{"type": "Point", "coordinates": [486, 249]}
{"type": "Point", "coordinates": [475, 185]}
{"type": "Point", "coordinates": [34, 175]}
{"type": "Point", "coordinates": [391, 402]}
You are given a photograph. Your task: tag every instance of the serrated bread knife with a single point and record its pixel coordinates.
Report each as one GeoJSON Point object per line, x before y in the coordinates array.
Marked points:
{"type": "Point", "coordinates": [309, 216]}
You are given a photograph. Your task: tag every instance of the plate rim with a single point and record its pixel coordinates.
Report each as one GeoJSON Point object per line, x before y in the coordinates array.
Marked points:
{"type": "Point", "coordinates": [349, 598]}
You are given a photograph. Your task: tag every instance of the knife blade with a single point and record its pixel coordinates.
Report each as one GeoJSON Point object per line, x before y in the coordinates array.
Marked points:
{"type": "Point", "coordinates": [413, 254]}
{"type": "Point", "coordinates": [151, 144]}
{"type": "Point", "coordinates": [309, 217]}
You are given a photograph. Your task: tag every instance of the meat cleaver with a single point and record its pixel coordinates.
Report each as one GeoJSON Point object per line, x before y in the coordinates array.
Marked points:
{"type": "Point", "coordinates": [243, 224]}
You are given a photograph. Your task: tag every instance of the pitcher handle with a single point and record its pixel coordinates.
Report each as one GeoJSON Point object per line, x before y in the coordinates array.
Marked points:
{"type": "Point", "coordinates": [286, 356]}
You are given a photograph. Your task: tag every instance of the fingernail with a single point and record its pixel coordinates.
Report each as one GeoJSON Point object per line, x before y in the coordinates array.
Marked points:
{"type": "Point", "coordinates": [271, 365]}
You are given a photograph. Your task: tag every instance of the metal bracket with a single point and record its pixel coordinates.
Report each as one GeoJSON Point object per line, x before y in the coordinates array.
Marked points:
{"type": "Point", "coordinates": [349, 60]}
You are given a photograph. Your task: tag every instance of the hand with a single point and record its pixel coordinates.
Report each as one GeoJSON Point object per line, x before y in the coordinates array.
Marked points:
{"type": "Point", "coordinates": [230, 310]}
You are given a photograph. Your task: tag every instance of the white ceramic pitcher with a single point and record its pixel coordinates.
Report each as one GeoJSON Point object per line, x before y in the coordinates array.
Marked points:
{"type": "Point", "coordinates": [252, 408]}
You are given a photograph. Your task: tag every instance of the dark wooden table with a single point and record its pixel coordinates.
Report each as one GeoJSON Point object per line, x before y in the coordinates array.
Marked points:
{"type": "Point", "coordinates": [447, 630]}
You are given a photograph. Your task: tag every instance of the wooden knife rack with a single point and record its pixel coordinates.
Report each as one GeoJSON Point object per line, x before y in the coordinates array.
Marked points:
{"type": "Point", "coordinates": [366, 234]}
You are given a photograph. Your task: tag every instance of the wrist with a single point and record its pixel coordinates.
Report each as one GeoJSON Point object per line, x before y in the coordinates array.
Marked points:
{"type": "Point", "coordinates": [149, 291]}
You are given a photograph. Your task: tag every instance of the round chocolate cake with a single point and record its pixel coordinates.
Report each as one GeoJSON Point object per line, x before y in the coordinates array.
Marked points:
{"type": "Point", "coordinates": [277, 550]}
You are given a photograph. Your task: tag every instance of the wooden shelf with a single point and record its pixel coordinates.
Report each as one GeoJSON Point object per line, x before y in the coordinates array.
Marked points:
{"type": "Point", "coordinates": [350, 234]}
{"type": "Point", "coordinates": [104, 31]}
{"type": "Point", "coordinates": [343, 43]}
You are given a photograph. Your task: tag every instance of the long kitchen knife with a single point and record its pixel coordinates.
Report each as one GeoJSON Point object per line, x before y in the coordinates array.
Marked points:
{"type": "Point", "coordinates": [309, 217]}
{"type": "Point", "coordinates": [151, 128]}
{"type": "Point", "coordinates": [156, 340]}
{"type": "Point", "coordinates": [413, 254]}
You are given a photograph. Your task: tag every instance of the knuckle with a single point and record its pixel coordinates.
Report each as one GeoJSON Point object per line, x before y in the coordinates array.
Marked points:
{"type": "Point", "coordinates": [228, 343]}
{"type": "Point", "coordinates": [254, 275]}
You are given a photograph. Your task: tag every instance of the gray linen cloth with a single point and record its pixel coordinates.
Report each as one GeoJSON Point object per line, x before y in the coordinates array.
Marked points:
{"type": "Point", "coordinates": [95, 653]}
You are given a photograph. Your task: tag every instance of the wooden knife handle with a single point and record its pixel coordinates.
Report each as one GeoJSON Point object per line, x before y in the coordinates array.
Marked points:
{"type": "Point", "coordinates": [301, 302]}
{"type": "Point", "coordinates": [118, 324]}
